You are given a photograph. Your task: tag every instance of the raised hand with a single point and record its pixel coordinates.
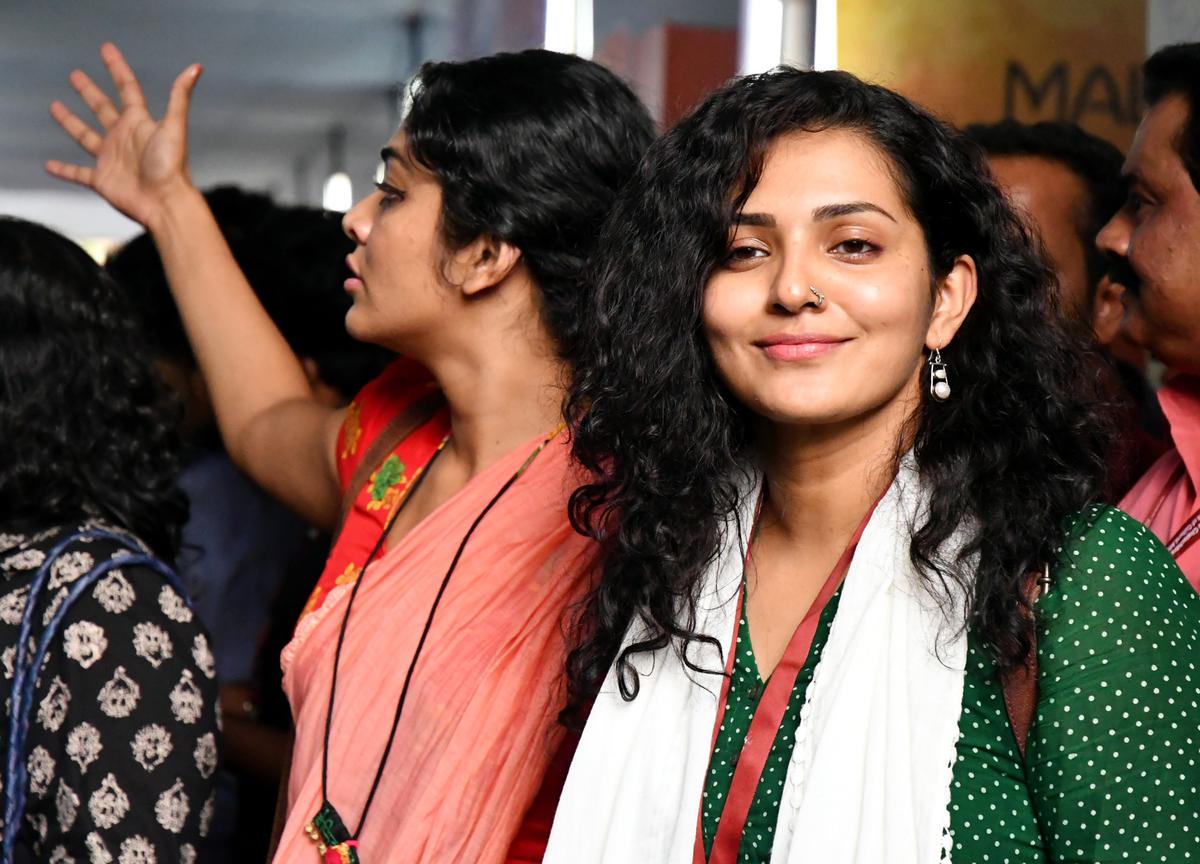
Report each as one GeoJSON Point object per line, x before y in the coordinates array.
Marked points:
{"type": "Point", "coordinates": [139, 161]}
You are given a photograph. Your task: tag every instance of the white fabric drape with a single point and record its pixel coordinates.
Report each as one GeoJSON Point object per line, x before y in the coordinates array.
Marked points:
{"type": "Point", "coordinates": [869, 779]}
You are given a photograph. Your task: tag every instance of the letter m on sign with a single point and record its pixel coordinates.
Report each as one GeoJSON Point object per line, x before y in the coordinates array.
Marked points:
{"type": "Point", "coordinates": [1022, 92]}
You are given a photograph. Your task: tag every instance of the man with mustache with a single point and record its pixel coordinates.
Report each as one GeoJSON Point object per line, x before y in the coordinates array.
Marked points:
{"type": "Point", "coordinates": [1067, 184]}
{"type": "Point", "coordinates": [1154, 244]}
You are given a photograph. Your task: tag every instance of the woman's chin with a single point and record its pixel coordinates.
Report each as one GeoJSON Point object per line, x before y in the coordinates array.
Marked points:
{"type": "Point", "coordinates": [358, 323]}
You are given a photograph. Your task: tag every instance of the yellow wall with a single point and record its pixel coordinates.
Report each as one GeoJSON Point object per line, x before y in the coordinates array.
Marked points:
{"type": "Point", "coordinates": [984, 60]}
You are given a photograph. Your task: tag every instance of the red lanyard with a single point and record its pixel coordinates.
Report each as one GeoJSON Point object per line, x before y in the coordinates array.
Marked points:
{"type": "Point", "coordinates": [1185, 536]}
{"type": "Point", "coordinates": [1190, 530]}
{"type": "Point", "coordinates": [767, 717]}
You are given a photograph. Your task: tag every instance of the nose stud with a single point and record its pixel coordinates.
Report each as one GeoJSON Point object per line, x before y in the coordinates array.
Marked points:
{"type": "Point", "coordinates": [796, 291]}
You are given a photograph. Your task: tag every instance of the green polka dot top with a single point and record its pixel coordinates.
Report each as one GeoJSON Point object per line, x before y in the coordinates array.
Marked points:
{"type": "Point", "coordinates": [1111, 773]}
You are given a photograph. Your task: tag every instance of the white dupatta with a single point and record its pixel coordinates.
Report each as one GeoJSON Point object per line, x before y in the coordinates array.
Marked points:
{"type": "Point", "coordinates": [869, 779]}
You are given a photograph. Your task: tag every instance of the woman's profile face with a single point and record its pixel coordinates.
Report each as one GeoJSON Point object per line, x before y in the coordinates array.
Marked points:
{"type": "Point", "coordinates": [399, 297]}
{"type": "Point", "coordinates": [826, 213]}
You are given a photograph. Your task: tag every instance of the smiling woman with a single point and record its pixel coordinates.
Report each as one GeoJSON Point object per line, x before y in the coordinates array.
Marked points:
{"type": "Point", "coordinates": [432, 708]}
{"type": "Point", "coordinates": [834, 433]}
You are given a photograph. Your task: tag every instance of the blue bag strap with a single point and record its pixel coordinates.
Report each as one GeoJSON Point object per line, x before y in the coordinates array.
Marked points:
{"type": "Point", "coordinates": [28, 661]}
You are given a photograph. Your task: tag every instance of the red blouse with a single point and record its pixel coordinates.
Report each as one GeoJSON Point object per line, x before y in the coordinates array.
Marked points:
{"type": "Point", "coordinates": [377, 404]}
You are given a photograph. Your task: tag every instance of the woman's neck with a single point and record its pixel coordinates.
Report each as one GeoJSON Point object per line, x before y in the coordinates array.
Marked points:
{"type": "Point", "coordinates": [501, 394]}
{"type": "Point", "coordinates": [820, 481]}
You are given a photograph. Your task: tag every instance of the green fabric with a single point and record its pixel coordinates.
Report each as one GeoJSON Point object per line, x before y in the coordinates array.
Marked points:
{"type": "Point", "coordinates": [1113, 771]}
{"type": "Point", "coordinates": [745, 690]}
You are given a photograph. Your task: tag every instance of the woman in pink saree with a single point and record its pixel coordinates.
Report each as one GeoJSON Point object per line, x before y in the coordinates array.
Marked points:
{"type": "Point", "coordinates": [425, 676]}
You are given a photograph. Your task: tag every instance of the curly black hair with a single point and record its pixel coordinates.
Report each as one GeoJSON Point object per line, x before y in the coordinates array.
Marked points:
{"type": "Point", "coordinates": [531, 148]}
{"type": "Point", "coordinates": [1017, 451]}
{"type": "Point", "coordinates": [87, 428]}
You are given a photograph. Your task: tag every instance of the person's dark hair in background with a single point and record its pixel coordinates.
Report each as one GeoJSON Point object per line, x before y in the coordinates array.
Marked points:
{"type": "Point", "coordinates": [1175, 71]}
{"type": "Point", "coordinates": [298, 274]}
{"type": "Point", "coordinates": [1068, 184]}
{"type": "Point", "coordinates": [294, 258]}
{"type": "Point", "coordinates": [1093, 163]}
{"type": "Point", "coordinates": [89, 442]}
{"type": "Point", "coordinates": [1153, 245]}
{"type": "Point", "coordinates": [87, 428]}
{"type": "Point", "coordinates": [250, 562]}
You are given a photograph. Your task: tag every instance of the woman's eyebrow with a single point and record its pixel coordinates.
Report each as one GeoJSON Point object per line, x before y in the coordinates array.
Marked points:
{"type": "Point", "coordinates": [758, 220]}
{"type": "Point", "coordinates": [849, 208]}
{"type": "Point", "coordinates": [391, 154]}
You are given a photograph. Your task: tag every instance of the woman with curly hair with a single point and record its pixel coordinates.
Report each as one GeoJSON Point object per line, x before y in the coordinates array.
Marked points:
{"type": "Point", "coordinates": [426, 720]}
{"type": "Point", "coordinates": [858, 602]}
{"type": "Point", "coordinates": [110, 732]}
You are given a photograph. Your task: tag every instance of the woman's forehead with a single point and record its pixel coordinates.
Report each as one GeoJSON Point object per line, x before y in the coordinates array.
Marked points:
{"type": "Point", "coordinates": [838, 163]}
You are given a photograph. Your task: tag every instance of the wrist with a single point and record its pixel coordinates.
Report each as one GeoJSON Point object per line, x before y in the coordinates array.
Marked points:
{"type": "Point", "coordinates": [175, 201]}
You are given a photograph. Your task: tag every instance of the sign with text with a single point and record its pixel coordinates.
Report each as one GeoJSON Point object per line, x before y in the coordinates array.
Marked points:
{"type": "Point", "coordinates": [986, 60]}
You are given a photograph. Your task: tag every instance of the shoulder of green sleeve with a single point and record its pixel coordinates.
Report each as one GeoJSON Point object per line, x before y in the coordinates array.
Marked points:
{"type": "Point", "coordinates": [1110, 759]}
{"type": "Point", "coordinates": [1107, 544]}
{"type": "Point", "coordinates": [1113, 573]}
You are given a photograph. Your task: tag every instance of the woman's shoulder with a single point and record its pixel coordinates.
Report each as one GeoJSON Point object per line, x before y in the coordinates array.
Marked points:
{"type": "Point", "coordinates": [401, 383]}
{"type": "Point", "coordinates": [1115, 581]}
{"type": "Point", "coordinates": [124, 580]}
{"type": "Point", "coordinates": [1110, 758]}
{"type": "Point", "coordinates": [380, 402]}
{"type": "Point", "coordinates": [76, 545]}
{"type": "Point", "coordinates": [1104, 545]}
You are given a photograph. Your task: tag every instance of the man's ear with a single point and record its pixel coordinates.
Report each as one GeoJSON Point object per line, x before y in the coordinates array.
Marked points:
{"type": "Point", "coordinates": [955, 296]}
{"type": "Point", "coordinates": [1108, 311]}
{"type": "Point", "coordinates": [482, 264]}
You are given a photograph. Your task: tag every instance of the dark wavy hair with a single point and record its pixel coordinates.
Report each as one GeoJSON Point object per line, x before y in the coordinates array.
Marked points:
{"type": "Point", "coordinates": [86, 427]}
{"type": "Point", "coordinates": [530, 148]}
{"type": "Point", "coordinates": [1018, 450]}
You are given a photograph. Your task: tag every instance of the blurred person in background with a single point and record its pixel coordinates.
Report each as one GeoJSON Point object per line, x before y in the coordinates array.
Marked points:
{"type": "Point", "coordinates": [446, 481]}
{"type": "Point", "coordinates": [1153, 246]}
{"type": "Point", "coordinates": [120, 747]}
{"type": "Point", "coordinates": [1068, 184]}
{"type": "Point", "coordinates": [248, 561]}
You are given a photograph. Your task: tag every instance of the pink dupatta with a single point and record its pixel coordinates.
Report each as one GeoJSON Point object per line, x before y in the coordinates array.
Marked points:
{"type": "Point", "coordinates": [479, 728]}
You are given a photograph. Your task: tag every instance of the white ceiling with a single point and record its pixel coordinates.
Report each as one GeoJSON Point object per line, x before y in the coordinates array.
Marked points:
{"type": "Point", "coordinates": [278, 75]}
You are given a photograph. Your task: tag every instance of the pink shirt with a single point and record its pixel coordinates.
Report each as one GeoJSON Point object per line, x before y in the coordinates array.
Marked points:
{"type": "Point", "coordinates": [1165, 498]}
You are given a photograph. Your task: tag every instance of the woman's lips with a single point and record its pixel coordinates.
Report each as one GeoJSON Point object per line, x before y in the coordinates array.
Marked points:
{"type": "Point", "coordinates": [353, 281]}
{"type": "Point", "coordinates": [803, 347]}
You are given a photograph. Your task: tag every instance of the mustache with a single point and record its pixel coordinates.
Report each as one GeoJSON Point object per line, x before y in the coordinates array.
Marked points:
{"type": "Point", "coordinates": [1120, 271]}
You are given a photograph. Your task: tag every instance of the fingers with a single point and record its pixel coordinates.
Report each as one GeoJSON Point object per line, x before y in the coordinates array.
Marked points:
{"type": "Point", "coordinates": [181, 94]}
{"type": "Point", "coordinates": [80, 132]}
{"type": "Point", "coordinates": [122, 75]}
{"type": "Point", "coordinates": [95, 98]}
{"type": "Point", "coordinates": [71, 173]}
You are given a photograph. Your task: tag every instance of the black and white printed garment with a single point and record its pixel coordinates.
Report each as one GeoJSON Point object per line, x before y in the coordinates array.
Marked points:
{"type": "Point", "coordinates": [122, 744]}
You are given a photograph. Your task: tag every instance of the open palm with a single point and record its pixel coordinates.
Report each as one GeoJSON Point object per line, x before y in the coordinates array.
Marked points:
{"type": "Point", "coordinates": [139, 161]}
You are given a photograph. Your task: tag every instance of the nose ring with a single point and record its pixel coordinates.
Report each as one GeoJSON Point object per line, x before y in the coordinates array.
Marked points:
{"type": "Point", "coordinates": [820, 297]}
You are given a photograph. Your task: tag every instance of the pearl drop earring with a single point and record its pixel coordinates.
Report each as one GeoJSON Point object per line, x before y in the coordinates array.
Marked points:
{"type": "Point", "coordinates": [939, 384]}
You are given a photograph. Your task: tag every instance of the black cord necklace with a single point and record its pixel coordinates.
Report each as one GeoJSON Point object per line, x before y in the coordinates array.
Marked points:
{"type": "Point", "coordinates": [327, 829]}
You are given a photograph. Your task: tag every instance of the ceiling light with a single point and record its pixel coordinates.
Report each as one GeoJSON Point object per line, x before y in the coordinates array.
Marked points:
{"type": "Point", "coordinates": [338, 192]}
